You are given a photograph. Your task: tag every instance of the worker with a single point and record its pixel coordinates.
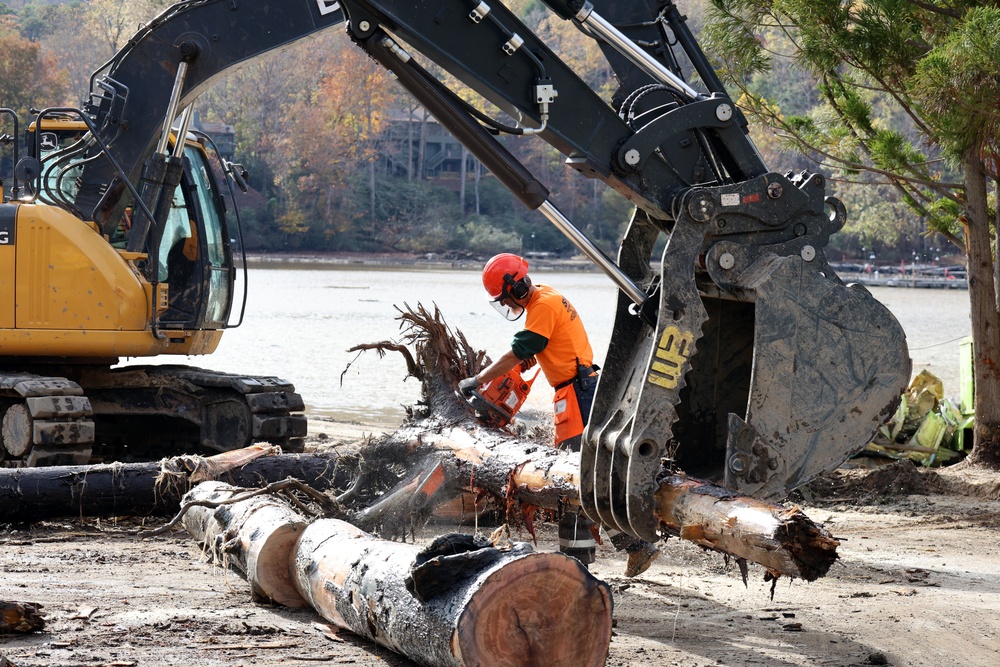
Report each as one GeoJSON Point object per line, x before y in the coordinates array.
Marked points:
{"type": "Point", "coordinates": [554, 335]}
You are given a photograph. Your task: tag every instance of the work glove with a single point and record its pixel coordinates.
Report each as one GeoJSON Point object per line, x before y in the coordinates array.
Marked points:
{"type": "Point", "coordinates": [528, 363]}
{"type": "Point", "coordinates": [468, 385]}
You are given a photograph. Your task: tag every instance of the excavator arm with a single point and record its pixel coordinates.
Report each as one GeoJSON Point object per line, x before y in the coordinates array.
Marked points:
{"type": "Point", "coordinates": [740, 356]}
{"type": "Point", "coordinates": [745, 357]}
{"type": "Point", "coordinates": [137, 95]}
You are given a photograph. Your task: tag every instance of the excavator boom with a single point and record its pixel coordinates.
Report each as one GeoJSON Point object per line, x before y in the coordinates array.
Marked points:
{"type": "Point", "coordinates": [737, 354]}
{"type": "Point", "coordinates": [744, 358]}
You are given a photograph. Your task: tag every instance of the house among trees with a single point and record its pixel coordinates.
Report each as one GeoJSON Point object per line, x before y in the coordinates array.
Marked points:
{"type": "Point", "coordinates": [405, 131]}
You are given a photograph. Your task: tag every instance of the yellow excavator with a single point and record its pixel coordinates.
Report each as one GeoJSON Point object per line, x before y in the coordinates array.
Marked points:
{"type": "Point", "coordinates": [737, 354]}
{"type": "Point", "coordinates": [77, 298]}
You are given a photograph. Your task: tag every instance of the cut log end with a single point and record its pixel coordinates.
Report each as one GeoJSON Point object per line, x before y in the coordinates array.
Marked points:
{"type": "Point", "coordinates": [546, 610]}
{"type": "Point", "coordinates": [812, 547]}
{"type": "Point", "coordinates": [269, 568]}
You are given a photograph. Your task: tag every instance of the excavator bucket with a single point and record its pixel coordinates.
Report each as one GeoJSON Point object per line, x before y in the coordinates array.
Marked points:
{"type": "Point", "coordinates": [760, 370]}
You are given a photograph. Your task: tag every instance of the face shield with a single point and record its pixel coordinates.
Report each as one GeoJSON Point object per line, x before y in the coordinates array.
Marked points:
{"type": "Point", "coordinates": [506, 307]}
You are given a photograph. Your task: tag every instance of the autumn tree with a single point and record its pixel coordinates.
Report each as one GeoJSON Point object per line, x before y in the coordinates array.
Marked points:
{"type": "Point", "coordinates": [112, 22]}
{"type": "Point", "coordinates": [258, 100]}
{"type": "Point", "coordinates": [28, 77]}
{"type": "Point", "coordinates": [908, 95]}
{"type": "Point", "coordinates": [333, 130]}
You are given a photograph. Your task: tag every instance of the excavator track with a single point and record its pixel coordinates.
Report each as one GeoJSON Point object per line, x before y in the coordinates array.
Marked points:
{"type": "Point", "coordinates": [94, 414]}
{"type": "Point", "coordinates": [46, 421]}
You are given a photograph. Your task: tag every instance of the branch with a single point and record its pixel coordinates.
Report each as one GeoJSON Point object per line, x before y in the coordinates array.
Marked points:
{"type": "Point", "coordinates": [934, 9]}
{"type": "Point", "coordinates": [274, 487]}
{"type": "Point", "coordinates": [382, 347]}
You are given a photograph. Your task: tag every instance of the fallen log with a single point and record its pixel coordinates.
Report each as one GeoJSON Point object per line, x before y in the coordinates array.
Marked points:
{"type": "Point", "coordinates": [783, 540]}
{"type": "Point", "coordinates": [150, 488]}
{"type": "Point", "coordinates": [458, 601]}
{"type": "Point", "coordinates": [256, 537]}
{"type": "Point", "coordinates": [20, 617]}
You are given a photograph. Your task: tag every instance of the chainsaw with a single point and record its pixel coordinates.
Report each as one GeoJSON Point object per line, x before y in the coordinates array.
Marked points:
{"type": "Point", "coordinates": [497, 401]}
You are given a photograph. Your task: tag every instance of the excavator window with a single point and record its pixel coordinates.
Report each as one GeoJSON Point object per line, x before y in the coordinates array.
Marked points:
{"type": "Point", "coordinates": [179, 262]}
{"type": "Point", "coordinates": [217, 258]}
{"type": "Point", "coordinates": [179, 239]}
{"type": "Point", "coordinates": [194, 259]}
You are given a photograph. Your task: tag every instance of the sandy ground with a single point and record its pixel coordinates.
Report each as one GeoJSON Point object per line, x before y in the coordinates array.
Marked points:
{"type": "Point", "coordinates": [917, 583]}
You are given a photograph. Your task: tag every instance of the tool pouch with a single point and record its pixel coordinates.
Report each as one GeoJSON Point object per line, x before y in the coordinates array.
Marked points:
{"type": "Point", "coordinates": [566, 408]}
{"type": "Point", "coordinates": [572, 402]}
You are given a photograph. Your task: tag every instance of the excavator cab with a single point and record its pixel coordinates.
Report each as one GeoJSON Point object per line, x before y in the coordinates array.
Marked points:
{"type": "Point", "coordinates": [194, 258]}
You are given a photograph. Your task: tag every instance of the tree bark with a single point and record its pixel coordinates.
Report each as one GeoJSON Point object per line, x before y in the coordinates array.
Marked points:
{"type": "Point", "coordinates": [985, 318]}
{"type": "Point", "coordinates": [146, 489]}
{"type": "Point", "coordinates": [459, 601]}
{"type": "Point", "coordinates": [783, 540]}
{"type": "Point", "coordinates": [255, 536]}
{"type": "Point", "coordinates": [20, 617]}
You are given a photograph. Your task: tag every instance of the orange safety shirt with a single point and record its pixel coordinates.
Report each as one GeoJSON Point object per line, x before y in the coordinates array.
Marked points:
{"type": "Point", "coordinates": [552, 316]}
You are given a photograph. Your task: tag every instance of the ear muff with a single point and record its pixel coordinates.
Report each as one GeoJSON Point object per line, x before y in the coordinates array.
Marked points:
{"type": "Point", "coordinates": [516, 288]}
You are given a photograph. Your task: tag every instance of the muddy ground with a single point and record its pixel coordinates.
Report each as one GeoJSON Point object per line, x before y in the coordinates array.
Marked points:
{"type": "Point", "coordinates": [917, 583]}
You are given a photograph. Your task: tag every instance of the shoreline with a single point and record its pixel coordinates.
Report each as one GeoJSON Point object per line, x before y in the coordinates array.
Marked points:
{"type": "Point", "coordinates": [410, 261]}
{"type": "Point", "coordinates": [329, 429]}
{"type": "Point", "coordinates": [465, 262]}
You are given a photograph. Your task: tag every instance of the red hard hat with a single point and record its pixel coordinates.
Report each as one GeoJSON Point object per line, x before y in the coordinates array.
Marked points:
{"type": "Point", "coordinates": [501, 272]}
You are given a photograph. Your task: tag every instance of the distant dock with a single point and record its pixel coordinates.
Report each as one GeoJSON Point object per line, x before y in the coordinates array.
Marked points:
{"type": "Point", "coordinates": [905, 281]}
{"type": "Point", "coordinates": [921, 276]}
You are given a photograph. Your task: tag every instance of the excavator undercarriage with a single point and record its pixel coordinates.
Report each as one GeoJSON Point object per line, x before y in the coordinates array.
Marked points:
{"type": "Point", "coordinates": [78, 414]}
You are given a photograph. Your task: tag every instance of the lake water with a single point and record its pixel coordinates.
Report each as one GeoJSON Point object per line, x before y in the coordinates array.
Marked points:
{"type": "Point", "coordinates": [301, 319]}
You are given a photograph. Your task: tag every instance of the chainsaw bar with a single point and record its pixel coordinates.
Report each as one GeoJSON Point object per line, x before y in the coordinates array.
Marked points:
{"type": "Point", "coordinates": [488, 413]}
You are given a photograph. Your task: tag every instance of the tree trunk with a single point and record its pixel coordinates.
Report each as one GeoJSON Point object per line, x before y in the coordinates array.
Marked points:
{"type": "Point", "coordinates": [472, 456]}
{"type": "Point", "coordinates": [782, 540]}
{"type": "Point", "coordinates": [459, 601]}
{"type": "Point", "coordinates": [785, 541]}
{"type": "Point", "coordinates": [996, 242]}
{"type": "Point", "coordinates": [985, 318]}
{"type": "Point", "coordinates": [422, 146]}
{"type": "Point", "coordinates": [479, 176]}
{"type": "Point", "coordinates": [461, 192]}
{"type": "Point", "coordinates": [145, 489]}
{"type": "Point", "coordinates": [409, 143]}
{"type": "Point", "coordinates": [371, 191]}
{"type": "Point", "coordinates": [255, 536]}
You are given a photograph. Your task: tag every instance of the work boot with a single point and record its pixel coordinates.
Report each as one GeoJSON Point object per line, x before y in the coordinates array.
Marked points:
{"type": "Point", "coordinates": [576, 538]}
{"type": "Point", "coordinates": [640, 557]}
{"type": "Point", "coordinates": [619, 540]}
